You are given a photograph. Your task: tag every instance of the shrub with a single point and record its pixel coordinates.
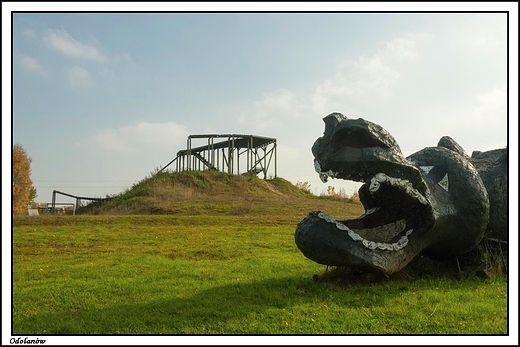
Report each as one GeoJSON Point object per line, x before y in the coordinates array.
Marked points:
{"type": "Point", "coordinates": [305, 186]}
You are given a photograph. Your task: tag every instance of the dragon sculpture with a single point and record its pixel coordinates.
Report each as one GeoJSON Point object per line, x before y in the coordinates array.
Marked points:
{"type": "Point", "coordinates": [438, 201]}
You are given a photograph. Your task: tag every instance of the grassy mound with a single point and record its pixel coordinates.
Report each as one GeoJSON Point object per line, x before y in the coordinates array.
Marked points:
{"type": "Point", "coordinates": [211, 192]}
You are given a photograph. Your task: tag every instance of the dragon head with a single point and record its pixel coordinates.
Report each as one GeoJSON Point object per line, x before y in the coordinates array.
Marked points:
{"type": "Point", "coordinates": [431, 201]}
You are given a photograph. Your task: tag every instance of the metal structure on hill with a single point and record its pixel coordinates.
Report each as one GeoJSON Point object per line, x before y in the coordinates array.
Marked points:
{"type": "Point", "coordinates": [235, 154]}
{"type": "Point", "coordinates": [230, 153]}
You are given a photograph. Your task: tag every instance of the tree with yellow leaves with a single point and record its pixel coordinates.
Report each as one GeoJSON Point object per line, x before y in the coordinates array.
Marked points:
{"type": "Point", "coordinates": [23, 190]}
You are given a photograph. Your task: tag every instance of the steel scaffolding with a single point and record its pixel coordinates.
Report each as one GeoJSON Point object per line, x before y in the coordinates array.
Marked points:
{"type": "Point", "coordinates": [228, 155]}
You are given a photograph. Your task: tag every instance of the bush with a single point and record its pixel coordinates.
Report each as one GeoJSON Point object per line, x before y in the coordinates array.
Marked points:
{"type": "Point", "coordinates": [340, 195]}
{"type": "Point", "coordinates": [305, 186]}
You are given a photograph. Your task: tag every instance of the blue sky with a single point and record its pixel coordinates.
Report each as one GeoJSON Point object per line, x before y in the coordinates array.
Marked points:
{"type": "Point", "coordinates": [102, 99]}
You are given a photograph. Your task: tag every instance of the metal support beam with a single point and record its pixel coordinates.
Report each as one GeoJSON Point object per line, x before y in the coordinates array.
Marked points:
{"type": "Point", "coordinates": [259, 152]}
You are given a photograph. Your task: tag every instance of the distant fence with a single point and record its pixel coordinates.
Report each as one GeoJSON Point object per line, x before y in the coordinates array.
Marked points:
{"type": "Point", "coordinates": [51, 207]}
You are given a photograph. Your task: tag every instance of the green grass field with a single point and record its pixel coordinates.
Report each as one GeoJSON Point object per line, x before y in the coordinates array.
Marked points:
{"type": "Point", "coordinates": [203, 274]}
{"type": "Point", "coordinates": [209, 253]}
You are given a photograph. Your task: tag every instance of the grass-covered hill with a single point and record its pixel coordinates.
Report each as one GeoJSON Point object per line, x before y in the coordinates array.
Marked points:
{"type": "Point", "coordinates": [211, 192]}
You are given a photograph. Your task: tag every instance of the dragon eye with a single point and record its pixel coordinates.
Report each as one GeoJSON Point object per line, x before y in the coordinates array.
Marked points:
{"type": "Point", "coordinates": [444, 183]}
{"type": "Point", "coordinates": [425, 169]}
{"type": "Point", "coordinates": [433, 172]}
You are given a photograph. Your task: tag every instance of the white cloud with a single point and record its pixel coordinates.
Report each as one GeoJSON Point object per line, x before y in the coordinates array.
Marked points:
{"type": "Point", "coordinates": [29, 33]}
{"type": "Point", "coordinates": [79, 77]}
{"type": "Point", "coordinates": [142, 135]}
{"type": "Point", "coordinates": [402, 48]}
{"type": "Point", "coordinates": [124, 59]}
{"type": "Point", "coordinates": [366, 78]}
{"type": "Point", "coordinates": [488, 37]}
{"type": "Point", "coordinates": [363, 79]}
{"type": "Point", "coordinates": [366, 85]}
{"type": "Point", "coordinates": [493, 101]}
{"type": "Point", "coordinates": [31, 64]}
{"type": "Point", "coordinates": [270, 110]}
{"type": "Point", "coordinates": [62, 42]}
{"type": "Point", "coordinates": [482, 113]}
{"type": "Point", "coordinates": [489, 112]}
{"type": "Point", "coordinates": [280, 101]}
{"type": "Point", "coordinates": [90, 50]}
{"type": "Point", "coordinates": [477, 122]}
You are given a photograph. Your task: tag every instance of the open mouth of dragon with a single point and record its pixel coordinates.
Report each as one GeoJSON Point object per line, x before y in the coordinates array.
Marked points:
{"type": "Point", "coordinates": [426, 201]}
{"type": "Point", "coordinates": [394, 210]}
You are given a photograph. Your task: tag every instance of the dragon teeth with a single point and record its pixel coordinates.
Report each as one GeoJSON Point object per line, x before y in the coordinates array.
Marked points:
{"type": "Point", "coordinates": [368, 212]}
{"type": "Point", "coordinates": [402, 184]}
{"type": "Point", "coordinates": [400, 244]}
{"type": "Point", "coordinates": [383, 233]}
{"type": "Point", "coordinates": [324, 176]}
{"type": "Point", "coordinates": [374, 186]}
{"type": "Point", "coordinates": [380, 177]}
